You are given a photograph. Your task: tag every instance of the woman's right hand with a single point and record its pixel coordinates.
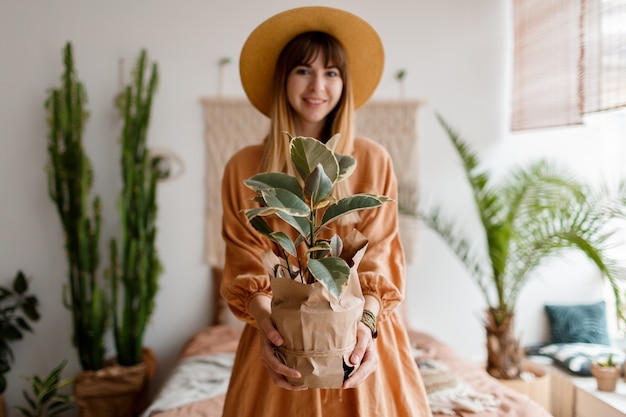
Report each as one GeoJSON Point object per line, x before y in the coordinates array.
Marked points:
{"type": "Point", "coordinates": [269, 338]}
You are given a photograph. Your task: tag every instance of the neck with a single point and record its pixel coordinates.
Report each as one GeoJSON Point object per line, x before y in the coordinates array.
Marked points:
{"type": "Point", "coordinates": [312, 130]}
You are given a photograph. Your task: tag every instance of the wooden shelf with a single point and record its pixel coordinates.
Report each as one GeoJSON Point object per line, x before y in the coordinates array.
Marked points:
{"type": "Point", "coordinates": [576, 396]}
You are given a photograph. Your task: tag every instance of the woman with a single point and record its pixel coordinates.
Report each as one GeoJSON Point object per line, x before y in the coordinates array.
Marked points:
{"type": "Point", "coordinates": [308, 69]}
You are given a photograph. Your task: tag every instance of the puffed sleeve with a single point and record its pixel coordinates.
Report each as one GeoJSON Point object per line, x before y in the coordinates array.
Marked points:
{"type": "Point", "coordinates": [245, 276]}
{"type": "Point", "coordinates": [382, 270]}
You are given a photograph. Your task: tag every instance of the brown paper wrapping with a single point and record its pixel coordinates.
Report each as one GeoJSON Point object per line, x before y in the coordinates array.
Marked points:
{"type": "Point", "coordinates": [115, 391]}
{"type": "Point", "coordinates": [319, 330]}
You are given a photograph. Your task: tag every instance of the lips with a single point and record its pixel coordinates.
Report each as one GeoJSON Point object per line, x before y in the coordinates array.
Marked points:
{"type": "Point", "coordinates": [314, 100]}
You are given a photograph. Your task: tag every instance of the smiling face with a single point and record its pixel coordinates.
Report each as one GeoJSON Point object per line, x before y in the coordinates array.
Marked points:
{"type": "Point", "coordinates": [313, 90]}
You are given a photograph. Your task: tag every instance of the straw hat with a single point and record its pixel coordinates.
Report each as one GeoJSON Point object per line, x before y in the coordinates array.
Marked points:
{"type": "Point", "coordinates": [260, 52]}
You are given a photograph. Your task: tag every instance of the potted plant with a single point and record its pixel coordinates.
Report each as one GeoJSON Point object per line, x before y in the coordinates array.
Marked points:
{"type": "Point", "coordinates": [135, 268]}
{"type": "Point", "coordinates": [530, 216]}
{"type": "Point", "coordinates": [70, 177]}
{"type": "Point", "coordinates": [312, 267]}
{"type": "Point", "coordinates": [606, 372]}
{"type": "Point", "coordinates": [45, 398]}
{"type": "Point", "coordinates": [107, 387]}
{"type": "Point", "coordinates": [17, 308]}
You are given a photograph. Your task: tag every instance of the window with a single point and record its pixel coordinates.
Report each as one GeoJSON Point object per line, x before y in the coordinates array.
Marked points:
{"type": "Point", "coordinates": [569, 60]}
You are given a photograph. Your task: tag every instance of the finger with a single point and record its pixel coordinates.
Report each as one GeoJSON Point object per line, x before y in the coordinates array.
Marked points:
{"type": "Point", "coordinates": [363, 339]}
{"type": "Point", "coordinates": [277, 370]}
{"type": "Point", "coordinates": [274, 366]}
{"type": "Point", "coordinates": [368, 366]}
{"type": "Point", "coordinates": [270, 331]}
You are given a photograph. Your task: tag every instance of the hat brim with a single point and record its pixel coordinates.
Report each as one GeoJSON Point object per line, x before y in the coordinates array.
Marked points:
{"type": "Point", "coordinates": [260, 52]}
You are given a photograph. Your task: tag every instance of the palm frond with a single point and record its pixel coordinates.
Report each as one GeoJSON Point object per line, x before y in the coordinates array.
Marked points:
{"type": "Point", "coordinates": [538, 213]}
{"type": "Point", "coordinates": [461, 246]}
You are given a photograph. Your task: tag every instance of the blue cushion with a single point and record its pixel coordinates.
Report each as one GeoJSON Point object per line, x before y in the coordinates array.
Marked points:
{"type": "Point", "coordinates": [580, 323]}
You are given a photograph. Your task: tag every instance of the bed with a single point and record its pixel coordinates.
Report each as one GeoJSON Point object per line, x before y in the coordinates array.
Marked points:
{"type": "Point", "coordinates": [197, 385]}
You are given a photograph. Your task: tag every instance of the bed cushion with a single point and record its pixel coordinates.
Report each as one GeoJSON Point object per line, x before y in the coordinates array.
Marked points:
{"type": "Point", "coordinates": [578, 357]}
{"type": "Point", "coordinates": [578, 323]}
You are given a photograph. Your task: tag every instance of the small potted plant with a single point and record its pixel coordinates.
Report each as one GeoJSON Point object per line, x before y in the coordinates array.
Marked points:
{"type": "Point", "coordinates": [312, 267]}
{"type": "Point", "coordinates": [606, 372]}
{"type": "Point", "coordinates": [46, 398]}
{"type": "Point", "coordinates": [17, 308]}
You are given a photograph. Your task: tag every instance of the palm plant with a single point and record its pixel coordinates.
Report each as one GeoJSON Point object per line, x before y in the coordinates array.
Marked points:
{"type": "Point", "coordinates": [536, 213]}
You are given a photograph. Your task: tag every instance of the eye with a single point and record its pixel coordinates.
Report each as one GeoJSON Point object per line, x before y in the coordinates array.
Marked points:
{"type": "Point", "coordinates": [333, 73]}
{"type": "Point", "coordinates": [301, 71]}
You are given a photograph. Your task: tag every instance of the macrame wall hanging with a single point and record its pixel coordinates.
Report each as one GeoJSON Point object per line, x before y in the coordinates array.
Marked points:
{"type": "Point", "coordinates": [231, 124]}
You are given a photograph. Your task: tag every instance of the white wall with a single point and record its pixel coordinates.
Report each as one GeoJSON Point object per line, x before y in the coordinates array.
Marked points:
{"type": "Point", "coordinates": [457, 56]}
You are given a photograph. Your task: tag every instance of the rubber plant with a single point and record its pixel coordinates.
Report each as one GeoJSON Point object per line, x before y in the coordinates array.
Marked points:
{"type": "Point", "coordinates": [135, 266]}
{"type": "Point", "coordinates": [18, 308]}
{"type": "Point", "coordinates": [307, 204]}
{"type": "Point", "coordinates": [70, 178]}
{"type": "Point", "coordinates": [534, 214]}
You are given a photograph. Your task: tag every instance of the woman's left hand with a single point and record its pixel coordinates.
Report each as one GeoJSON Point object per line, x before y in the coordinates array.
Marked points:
{"type": "Point", "coordinates": [364, 356]}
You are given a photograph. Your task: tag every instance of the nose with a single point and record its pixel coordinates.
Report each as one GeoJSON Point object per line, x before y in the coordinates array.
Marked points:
{"type": "Point", "coordinates": [317, 82]}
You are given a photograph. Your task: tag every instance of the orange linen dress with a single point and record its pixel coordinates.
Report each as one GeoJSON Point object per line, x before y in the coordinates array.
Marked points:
{"type": "Point", "coordinates": [395, 389]}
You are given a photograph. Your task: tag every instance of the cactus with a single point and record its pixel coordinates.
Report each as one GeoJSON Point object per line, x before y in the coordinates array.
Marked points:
{"type": "Point", "coordinates": [134, 276]}
{"type": "Point", "coordinates": [70, 177]}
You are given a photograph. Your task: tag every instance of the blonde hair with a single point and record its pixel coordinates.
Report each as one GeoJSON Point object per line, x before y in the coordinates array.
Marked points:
{"type": "Point", "coordinates": [303, 49]}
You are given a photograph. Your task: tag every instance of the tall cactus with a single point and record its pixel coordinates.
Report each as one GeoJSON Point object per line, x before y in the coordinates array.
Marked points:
{"type": "Point", "coordinates": [70, 177]}
{"type": "Point", "coordinates": [134, 276]}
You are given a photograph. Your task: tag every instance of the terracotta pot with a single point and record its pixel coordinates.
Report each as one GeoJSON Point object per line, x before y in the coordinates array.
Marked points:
{"type": "Point", "coordinates": [606, 376]}
{"type": "Point", "coordinates": [3, 406]}
{"type": "Point", "coordinates": [115, 391]}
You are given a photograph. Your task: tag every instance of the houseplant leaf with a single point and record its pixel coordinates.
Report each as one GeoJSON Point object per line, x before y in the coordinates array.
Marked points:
{"type": "Point", "coordinates": [347, 165]}
{"type": "Point", "coordinates": [351, 204]}
{"type": "Point", "coordinates": [333, 272]}
{"type": "Point", "coordinates": [306, 153]}
{"type": "Point", "coordinates": [317, 187]}
{"type": "Point", "coordinates": [270, 180]}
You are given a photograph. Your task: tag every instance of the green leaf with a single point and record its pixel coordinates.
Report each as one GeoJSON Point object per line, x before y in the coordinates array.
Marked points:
{"type": "Point", "coordinates": [269, 180]}
{"type": "Point", "coordinates": [306, 153]}
{"type": "Point", "coordinates": [333, 273]}
{"type": "Point", "coordinates": [23, 324]}
{"type": "Point", "coordinates": [284, 241]}
{"type": "Point", "coordinates": [317, 186]}
{"type": "Point", "coordinates": [350, 204]}
{"type": "Point", "coordinates": [29, 307]}
{"type": "Point", "coordinates": [336, 245]}
{"type": "Point", "coordinates": [320, 250]}
{"type": "Point", "coordinates": [284, 199]}
{"type": "Point", "coordinates": [20, 284]}
{"type": "Point", "coordinates": [260, 225]}
{"type": "Point", "coordinates": [347, 165]}
{"type": "Point", "coordinates": [11, 332]}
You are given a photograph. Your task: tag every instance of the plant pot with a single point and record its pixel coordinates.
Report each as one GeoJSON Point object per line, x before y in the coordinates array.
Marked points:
{"type": "Point", "coordinates": [319, 330]}
{"type": "Point", "coordinates": [115, 391]}
{"type": "Point", "coordinates": [3, 406]}
{"type": "Point", "coordinates": [606, 376]}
